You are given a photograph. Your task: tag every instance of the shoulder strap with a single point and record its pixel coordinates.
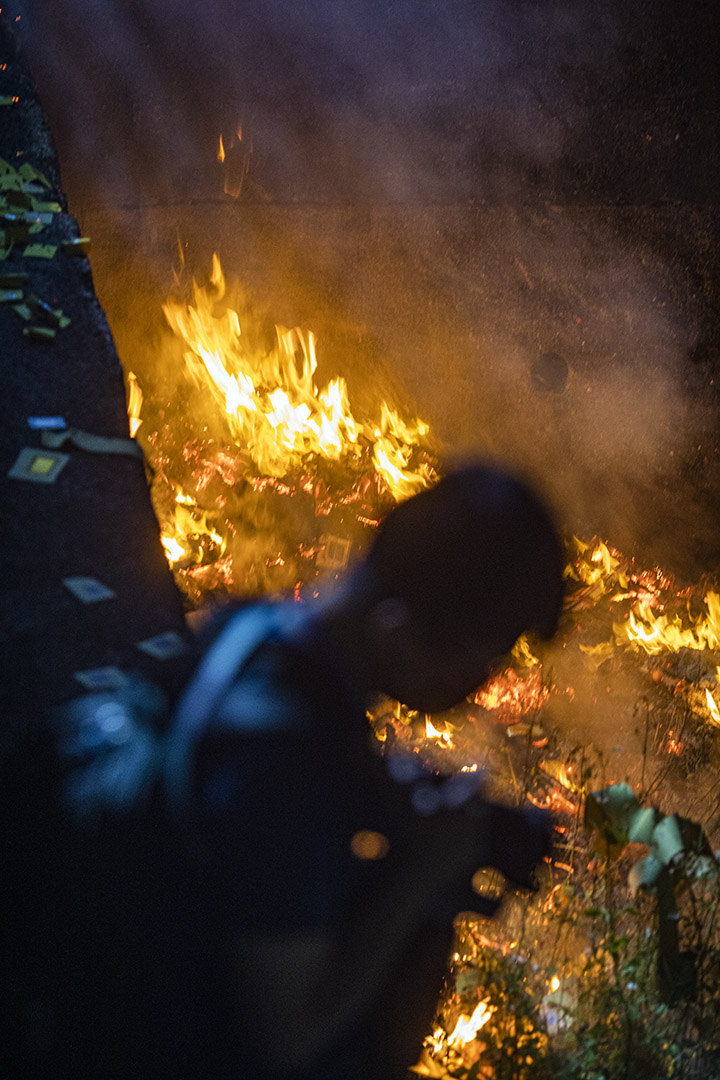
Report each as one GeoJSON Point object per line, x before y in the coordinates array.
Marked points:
{"type": "Point", "coordinates": [220, 665]}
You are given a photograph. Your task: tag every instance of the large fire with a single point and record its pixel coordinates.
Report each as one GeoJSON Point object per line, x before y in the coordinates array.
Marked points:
{"type": "Point", "coordinates": [275, 411]}
{"type": "Point", "coordinates": [263, 480]}
{"type": "Point", "coordinates": [266, 428]}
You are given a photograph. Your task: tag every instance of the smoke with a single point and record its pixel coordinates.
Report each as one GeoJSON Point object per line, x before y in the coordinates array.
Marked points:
{"type": "Point", "coordinates": [427, 187]}
{"type": "Point", "coordinates": [406, 101]}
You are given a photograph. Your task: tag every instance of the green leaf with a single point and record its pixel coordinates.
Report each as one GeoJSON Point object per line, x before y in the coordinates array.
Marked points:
{"type": "Point", "coordinates": [667, 843]}
{"type": "Point", "coordinates": [611, 811]}
{"type": "Point", "coordinates": [644, 874]}
{"type": "Point", "coordinates": [641, 826]}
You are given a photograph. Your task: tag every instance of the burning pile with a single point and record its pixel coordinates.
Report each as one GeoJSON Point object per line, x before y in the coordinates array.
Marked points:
{"type": "Point", "coordinates": [263, 482]}
{"type": "Point", "coordinates": [262, 479]}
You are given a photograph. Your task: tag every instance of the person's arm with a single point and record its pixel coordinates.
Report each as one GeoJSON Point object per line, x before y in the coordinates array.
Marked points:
{"type": "Point", "coordinates": [307, 976]}
{"type": "Point", "coordinates": [301, 992]}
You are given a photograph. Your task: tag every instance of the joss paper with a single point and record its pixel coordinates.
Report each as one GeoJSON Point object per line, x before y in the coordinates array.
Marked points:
{"type": "Point", "coordinates": [163, 646]}
{"type": "Point", "coordinates": [88, 589]}
{"type": "Point", "coordinates": [41, 251]}
{"type": "Point", "coordinates": [101, 678]}
{"type": "Point", "coordinates": [38, 466]}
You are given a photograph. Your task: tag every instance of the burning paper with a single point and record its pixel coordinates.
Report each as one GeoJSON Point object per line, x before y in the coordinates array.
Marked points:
{"type": "Point", "coordinates": [263, 478]}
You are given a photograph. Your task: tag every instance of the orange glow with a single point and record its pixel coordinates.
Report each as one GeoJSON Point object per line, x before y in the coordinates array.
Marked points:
{"type": "Point", "coordinates": [657, 633]}
{"type": "Point", "coordinates": [174, 550]}
{"type": "Point", "coordinates": [511, 694]}
{"type": "Point", "coordinates": [712, 706]}
{"type": "Point", "coordinates": [674, 746]}
{"type": "Point", "coordinates": [272, 428]}
{"type": "Point", "coordinates": [221, 150]}
{"type": "Point", "coordinates": [134, 403]}
{"type": "Point", "coordinates": [431, 732]}
{"type": "Point", "coordinates": [368, 844]}
{"type": "Point", "coordinates": [467, 1027]}
{"type": "Point", "coordinates": [188, 522]}
{"type": "Point", "coordinates": [271, 403]}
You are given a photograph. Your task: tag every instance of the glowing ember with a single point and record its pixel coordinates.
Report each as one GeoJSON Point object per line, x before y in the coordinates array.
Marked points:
{"type": "Point", "coordinates": [436, 1041]}
{"type": "Point", "coordinates": [190, 538]}
{"type": "Point", "coordinates": [173, 550]}
{"type": "Point", "coordinates": [523, 654]}
{"type": "Point", "coordinates": [674, 746]}
{"type": "Point", "coordinates": [512, 695]}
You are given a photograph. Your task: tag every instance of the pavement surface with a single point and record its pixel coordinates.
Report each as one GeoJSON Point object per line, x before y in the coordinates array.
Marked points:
{"type": "Point", "coordinates": [94, 520]}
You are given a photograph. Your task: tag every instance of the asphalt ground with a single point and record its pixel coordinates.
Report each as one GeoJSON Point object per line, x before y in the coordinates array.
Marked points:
{"type": "Point", "coordinates": [95, 520]}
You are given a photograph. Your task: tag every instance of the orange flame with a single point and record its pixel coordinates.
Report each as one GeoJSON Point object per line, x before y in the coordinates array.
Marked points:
{"type": "Point", "coordinates": [467, 1027]}
{"type": "Point", "coordinates": [431, 732]}
{"type": "Point", "coordinates": [713, 708]}
{"type": "Point", "coordinates": [271, 402]}
{"type": "Point", "coordinates": [134, 403]}
{"type": "Point", "coordinates": [656, 633]}
{"type": "Point", "coordinates": [187, 522]}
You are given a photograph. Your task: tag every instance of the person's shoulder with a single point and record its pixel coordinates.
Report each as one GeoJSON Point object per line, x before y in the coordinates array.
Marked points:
{"type": "Point", "coordinates": [268, 691]}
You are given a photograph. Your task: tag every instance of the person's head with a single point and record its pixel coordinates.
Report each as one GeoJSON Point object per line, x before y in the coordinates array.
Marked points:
{"type": "Point", "coordinates": [458, 573]}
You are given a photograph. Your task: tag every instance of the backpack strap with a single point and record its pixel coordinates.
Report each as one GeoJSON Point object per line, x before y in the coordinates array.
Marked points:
{"type": "Point", "coordinates": [236, 643]}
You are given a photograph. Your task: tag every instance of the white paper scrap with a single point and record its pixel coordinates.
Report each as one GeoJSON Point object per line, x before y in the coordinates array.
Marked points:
{"type": "Point", "coordinates": [163, 646]}
{"type": "Point", "coordinates": [88, 590]}
{"type": "Point", "coordinates": [101, 678]}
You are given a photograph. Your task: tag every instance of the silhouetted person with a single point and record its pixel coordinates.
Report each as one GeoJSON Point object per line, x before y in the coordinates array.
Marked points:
{"type": "Point", "coordinates": [274, 899]}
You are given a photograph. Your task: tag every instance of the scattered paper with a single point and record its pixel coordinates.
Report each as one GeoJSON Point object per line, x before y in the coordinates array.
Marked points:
{"type": "Point", "coordinates": [40, 333]}
{"type": "Point", "coordinates": [88, 589]}
{"type": "Point", "coordinates": [39, 466]}
{"type": "Point", "coordinates": [80, 246]}
{"type": "Point", "coordinates": [101, 678]}
{"type": "Point", "coordinates": [40, 251]}
{"type": "Point", "coordinates": [163, 646]}
{"type": "Point", "coordinates": [29, 172]}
